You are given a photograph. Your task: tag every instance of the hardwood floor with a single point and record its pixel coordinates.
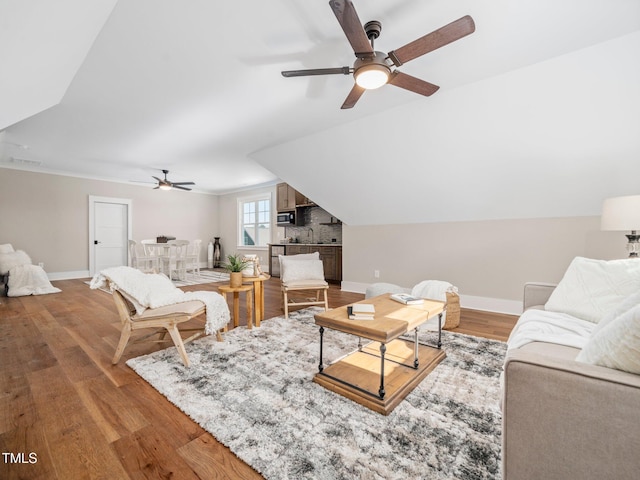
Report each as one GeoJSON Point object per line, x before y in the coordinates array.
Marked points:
{"type": "Point", "coordinates": [68, 413]}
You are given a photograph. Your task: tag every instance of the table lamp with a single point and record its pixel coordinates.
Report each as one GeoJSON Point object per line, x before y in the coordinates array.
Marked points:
{"type": "Point", "coordinates": [623, 214]}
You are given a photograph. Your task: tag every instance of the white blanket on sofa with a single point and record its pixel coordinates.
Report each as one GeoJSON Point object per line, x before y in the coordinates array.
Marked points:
{"type": "Point", "coordinates": [551, 327]}
{"type": "Point", "coordinates": [29, 280]}
{"type": "Point", "coordinates": [152, 290]}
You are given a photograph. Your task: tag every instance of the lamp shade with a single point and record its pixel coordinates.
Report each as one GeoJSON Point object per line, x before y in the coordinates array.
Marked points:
{"type": "Point", "coordinates": [621, 213]}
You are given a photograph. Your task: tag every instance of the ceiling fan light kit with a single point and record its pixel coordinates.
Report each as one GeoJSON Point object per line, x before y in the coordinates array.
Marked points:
{"type": "Point", "coordinates": [373, 69]}
{"type": "Point", "coordinates": [165, 184]}
{"type": "Point", "coordinates": [371, 73]}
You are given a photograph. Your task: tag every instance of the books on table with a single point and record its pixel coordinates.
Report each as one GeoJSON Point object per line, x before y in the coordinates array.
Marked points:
{"type": "Point", "coordinates": [361, 311]}
{"type": "Point", "coordinates": [407, 299]}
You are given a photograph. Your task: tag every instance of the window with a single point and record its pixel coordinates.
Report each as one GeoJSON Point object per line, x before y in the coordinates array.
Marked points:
{"type": "Point", "coordinates": [254, 219]}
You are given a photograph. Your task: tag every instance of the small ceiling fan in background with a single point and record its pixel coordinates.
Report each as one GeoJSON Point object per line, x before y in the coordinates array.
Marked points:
{"type": "Point", "coordinates": [372, 69]}
{"type": "Point", "coordinates": [167, 185]}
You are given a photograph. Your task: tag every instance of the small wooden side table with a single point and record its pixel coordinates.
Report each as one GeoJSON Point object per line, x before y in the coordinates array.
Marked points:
{"type": "Point", "coordinates": [258, 294]}
{"type": "Point", "coordinates": [224, 289]}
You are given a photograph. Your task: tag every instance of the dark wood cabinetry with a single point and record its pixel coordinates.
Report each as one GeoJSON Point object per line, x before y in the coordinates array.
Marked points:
{"type": "Point", "coordinates": [331, 257]}
{"type": "Point", "coordinates": [287, 198]}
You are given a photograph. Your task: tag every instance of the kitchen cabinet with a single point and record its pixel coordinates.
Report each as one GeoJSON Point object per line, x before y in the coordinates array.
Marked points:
{"type": "Point", "coordinates": [287, 198]}
{"type": "Point", "coordinates": [331, 256]}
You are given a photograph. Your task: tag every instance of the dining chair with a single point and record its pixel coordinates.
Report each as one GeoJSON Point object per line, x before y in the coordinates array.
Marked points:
{"type": "Point", "coordinates": [176, 259]}
{"type": "Point", "coordinates": [193, 257]}
{"type": "Point", "coordinates": [139, 258]}
{"type": "Point", "coordinates": [153, 249]}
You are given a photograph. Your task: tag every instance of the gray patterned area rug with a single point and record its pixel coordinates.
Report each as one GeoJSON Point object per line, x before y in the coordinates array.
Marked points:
{"type": "Point", "coordinates": [254, 393]}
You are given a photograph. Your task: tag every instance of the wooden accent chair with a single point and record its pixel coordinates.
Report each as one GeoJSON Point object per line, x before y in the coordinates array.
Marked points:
{"type": "Point", "coordinates": [303, 273]}
{"type": "Point", "coordinates": [163, 319]}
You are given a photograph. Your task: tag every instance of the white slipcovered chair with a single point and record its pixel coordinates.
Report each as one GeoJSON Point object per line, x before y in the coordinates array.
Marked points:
{"type": "Point", "coordinates": [303, 273]}
{"type": "Point", "coordinates": [193, 257]}
{"type": "Point", "coordinates": [139, 258]}
{"type": "Point", "coordinates": [176, 260]}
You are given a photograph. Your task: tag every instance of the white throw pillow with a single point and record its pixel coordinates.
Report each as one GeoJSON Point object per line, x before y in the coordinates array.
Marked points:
{"type": "Point", "coordinates": [617, 344]}
{"type": "Point", "coordinates": [6, 248]}
{"type": "Point", "coordinates": [13, 259]}
{"type": "Point", "coordinates": [591, 288]}
{"type": "Point", "coordinates": [295, 270]}
{"type": "Point", "coordinates": [624, 306]}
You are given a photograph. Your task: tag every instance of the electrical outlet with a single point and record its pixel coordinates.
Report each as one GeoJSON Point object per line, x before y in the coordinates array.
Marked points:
{"type": "Point", "coordinates": [376, 273]}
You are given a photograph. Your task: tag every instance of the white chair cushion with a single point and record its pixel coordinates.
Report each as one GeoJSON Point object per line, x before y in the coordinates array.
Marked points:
{"type": "Point", "coordinates": [292, 270]}
{"type": "Point", "coordinates": [301, 256]}
{"type": "Point", "coordinates": [187, 308]}
{"type": "Point", "coordinates": [138, 307]}
{"type": "Point", "coordinates": [305, 284]}
{"type": "Point", "coordinates": [591, 288]}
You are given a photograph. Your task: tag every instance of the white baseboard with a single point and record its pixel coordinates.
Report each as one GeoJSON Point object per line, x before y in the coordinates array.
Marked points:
{"type": "Point", "coordinates": [68, 275]}
{"type": "Point", "coordinates": [85, 274]}
{"type": "Point", "coordinates": [488, 304]}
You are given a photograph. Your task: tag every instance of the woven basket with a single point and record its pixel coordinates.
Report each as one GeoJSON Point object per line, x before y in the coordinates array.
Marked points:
{"type": "Point", "coordinates": [452, 319]}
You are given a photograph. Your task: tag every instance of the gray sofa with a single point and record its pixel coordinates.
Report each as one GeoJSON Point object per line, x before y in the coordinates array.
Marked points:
{"type": "Point", "coordinates": [564, 419]}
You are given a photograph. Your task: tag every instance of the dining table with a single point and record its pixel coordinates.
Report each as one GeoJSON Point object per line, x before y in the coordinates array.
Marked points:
{"type": "Point", "coordinates": [161, 251]}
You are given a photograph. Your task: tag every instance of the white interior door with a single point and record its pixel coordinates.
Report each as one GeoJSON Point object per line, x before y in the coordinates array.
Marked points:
{"type": "Point", "coordinates": [110, 230]}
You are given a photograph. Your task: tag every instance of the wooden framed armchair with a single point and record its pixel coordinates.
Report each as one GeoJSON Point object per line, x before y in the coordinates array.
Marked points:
{"type": "Point", "coordinates": [163, 319]}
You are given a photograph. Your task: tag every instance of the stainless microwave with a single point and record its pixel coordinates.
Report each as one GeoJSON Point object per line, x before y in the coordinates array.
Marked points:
{"type": "Point", "coordinates": [286, 219]}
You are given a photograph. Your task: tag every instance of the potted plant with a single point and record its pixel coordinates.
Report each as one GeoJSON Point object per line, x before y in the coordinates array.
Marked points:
{"type": "Point", "coordinates": [235, 265]}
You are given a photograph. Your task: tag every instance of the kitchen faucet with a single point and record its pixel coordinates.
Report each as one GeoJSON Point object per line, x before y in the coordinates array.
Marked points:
{"type": "Point", "coordinates": [310, 230]}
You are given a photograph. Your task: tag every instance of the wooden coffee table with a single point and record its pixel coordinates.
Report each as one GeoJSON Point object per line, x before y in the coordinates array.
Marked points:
{"type": "Point", "coordinates": [381, 374]}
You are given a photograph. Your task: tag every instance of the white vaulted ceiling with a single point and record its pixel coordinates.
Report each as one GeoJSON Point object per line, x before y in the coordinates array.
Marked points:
{"type": "Point", "coordinates": [543, 97]}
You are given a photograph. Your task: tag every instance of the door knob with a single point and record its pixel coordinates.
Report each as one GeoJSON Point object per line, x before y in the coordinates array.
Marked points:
{"type": "Point", "coordinates": [95, 242]}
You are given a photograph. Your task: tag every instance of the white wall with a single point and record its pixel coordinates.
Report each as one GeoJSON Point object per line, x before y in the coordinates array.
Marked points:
{"type": "Point", "coordinates": [228, 223]}
{"type": "Point", "coordinates": [489, 261]}
{"type": "Point", "coordinates": [47, 216]}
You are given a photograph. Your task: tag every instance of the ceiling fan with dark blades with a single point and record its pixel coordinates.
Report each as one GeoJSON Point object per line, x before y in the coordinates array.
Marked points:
{"type": "Point", "coordinates": [372, 68]}
{"type": "Point", "coordinates": [165, 184]}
